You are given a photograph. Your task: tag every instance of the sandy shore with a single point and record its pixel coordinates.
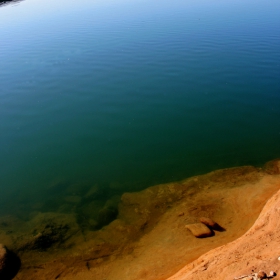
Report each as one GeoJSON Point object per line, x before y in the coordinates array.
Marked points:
{"type": "Point", "coordinates": [149, 240]}
{"type": "Point", "coordinates": [256, 250]}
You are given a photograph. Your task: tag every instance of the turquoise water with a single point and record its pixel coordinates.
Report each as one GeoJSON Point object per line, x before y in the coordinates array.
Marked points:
{"type": "Point", "coordinates": [122, 95]}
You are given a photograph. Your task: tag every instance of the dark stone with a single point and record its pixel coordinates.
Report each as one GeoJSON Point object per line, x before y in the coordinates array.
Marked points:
{"type": "Point", "coordinates": [9, 263]}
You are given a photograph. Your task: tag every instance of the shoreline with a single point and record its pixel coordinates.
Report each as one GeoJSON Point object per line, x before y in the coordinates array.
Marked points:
{"type": "Point", "coordinates": [150, 228]}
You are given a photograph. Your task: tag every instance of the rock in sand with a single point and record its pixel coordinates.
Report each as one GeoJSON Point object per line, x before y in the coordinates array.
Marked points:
{"type": "Point", "coordinates": [199, 230]}
{"type": "Point", "coordinates": [208, 222]}
{"type": "Point", "coordinates": [9, 263]}
{"type": "Point", "coordinates": [261, 274]}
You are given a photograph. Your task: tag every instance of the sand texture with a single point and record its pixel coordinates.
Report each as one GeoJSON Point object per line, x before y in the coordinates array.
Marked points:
{"type": "Point", "coordinates": [258, 249]}
{"type": "Point", "coordinates": [149, 239]}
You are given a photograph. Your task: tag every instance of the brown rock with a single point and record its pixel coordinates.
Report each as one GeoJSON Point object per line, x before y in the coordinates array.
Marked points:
{"type": "Point", "coordinates": [199, 230]}
{"type": "Point", "coordinates": [261, 274]}
{"type": "Point", "coordinates": [208, 222]}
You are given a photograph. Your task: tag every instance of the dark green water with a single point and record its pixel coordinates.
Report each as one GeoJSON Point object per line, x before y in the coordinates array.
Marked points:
{"type": "Point", "coordinates": [126, 94]}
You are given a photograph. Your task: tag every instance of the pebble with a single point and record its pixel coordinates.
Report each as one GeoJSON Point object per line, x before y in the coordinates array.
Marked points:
{"type": "Point", "coordinates": [279, 259]}
{"type": "Point", "coordinates": [261, 274]}
{"type": "Point", "coordinates": [272, 273]}
{"type": "Point", "coordinates": [208, 222]}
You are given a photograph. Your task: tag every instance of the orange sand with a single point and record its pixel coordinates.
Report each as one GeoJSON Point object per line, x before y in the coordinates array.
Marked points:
{"type": "Point", "coordinates": [149, 240]}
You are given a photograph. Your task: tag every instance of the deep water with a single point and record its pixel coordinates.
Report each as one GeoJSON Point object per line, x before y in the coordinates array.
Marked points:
{"type": "Point", "coordinates": [102, 97]}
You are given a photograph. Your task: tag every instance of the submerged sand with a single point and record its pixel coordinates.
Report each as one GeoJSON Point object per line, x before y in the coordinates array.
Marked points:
{"type": "Point", "coordinates": [148, 240]}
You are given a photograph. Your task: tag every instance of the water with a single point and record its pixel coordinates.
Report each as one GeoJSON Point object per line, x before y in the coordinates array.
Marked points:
{"type": "Point", "coordinates": [121, 95]}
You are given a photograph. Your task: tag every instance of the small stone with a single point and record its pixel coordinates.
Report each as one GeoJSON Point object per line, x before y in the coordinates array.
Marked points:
{"type": "Point", "coordinates": [181, 214]}
{"type": "Point", "coordinates": [279, 259]}
{"type": "Point", "coordinates": [272, 273]}
{"type": "Point", "coordinates": [261, 274]}
{"type": "Point", "coordinates": [9, 263]}
{"type": "Point", "coordinates": [199, 230]}
{"type": "Point", "coordinates": [208, 222]}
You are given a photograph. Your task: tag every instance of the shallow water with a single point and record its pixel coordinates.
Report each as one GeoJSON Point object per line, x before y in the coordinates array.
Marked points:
{"type": "Point", "coordinates": [102, 97]}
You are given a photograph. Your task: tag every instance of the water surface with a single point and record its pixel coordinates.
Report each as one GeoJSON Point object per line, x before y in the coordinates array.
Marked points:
{"type": "Point", "coordinates": [121, 95]}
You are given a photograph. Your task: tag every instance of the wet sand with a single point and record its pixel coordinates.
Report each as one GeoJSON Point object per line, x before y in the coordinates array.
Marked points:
{"type": "Point", "coordinates": [148, 239]}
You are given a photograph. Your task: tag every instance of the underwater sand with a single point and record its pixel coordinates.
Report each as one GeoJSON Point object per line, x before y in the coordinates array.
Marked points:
{"type": "Point", "coordinates": [148, 238]}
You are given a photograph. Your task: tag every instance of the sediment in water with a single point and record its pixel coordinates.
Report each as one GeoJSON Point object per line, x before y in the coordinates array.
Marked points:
{"type": "Point", "coordinates": [147, 239]}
